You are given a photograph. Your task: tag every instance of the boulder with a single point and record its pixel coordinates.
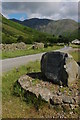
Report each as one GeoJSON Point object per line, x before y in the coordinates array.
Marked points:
{"type": "Point", "coordinates": [38, 45]}
{"type": "Point", "coordinates": [48, 92]}
{"type": "Point", "coordinates": [60, 67]}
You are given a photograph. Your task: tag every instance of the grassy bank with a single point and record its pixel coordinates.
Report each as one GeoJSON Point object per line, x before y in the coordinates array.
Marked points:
{"type": "Point", "coordinates": [14, 107]}
{"type": "Point", "coordinates": [76, 55]}
{"type": "Point", "coordinates": [18, 53]}
{"type": "Point", "coordinates": [74, 46]}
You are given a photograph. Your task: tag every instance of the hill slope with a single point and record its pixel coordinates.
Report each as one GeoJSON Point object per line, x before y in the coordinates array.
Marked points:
{"type": "Point", "coordinates": [59, 27]}
{"type": "Point", "coordinates": [34, 22]}
{"type": "Point", "coordinates": [15, 32]}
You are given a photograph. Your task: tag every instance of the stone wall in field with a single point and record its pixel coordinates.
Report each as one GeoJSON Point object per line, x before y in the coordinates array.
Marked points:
{"type": "Point", "coordinates": [13, 46]}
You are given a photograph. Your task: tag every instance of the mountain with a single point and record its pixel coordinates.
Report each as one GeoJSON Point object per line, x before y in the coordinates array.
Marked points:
{"type": "Point", "coordinates": [59, 27]}
{"type": "Point", "coordinates": [15, 20]}
{"type": "Point", "coordinates": [45, 30]}
{"type": "Point", "coordinates": [15, 32]}
{"type": "Point", "coordinates": [34, 22]}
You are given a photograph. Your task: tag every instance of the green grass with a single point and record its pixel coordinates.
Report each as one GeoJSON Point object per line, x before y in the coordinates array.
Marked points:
{"type": "Point", "coordinates": [17, 53]}
{"type": "Point", "coordinates": [14, 107]}
{"type": "Point", "coordinates": [76, 52]}
{"type": "Point", "coordinates": [76, 55]}
{"type": "Point", "coordinates": [74, 46]}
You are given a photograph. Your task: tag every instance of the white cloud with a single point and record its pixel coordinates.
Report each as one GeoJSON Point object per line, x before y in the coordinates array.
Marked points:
{"type": "Point", "coordinates": [40, 0]}
{"type": "Point", "coordinates": [51, 10]}
{"type": "Point", "coordinates": [22, 18]}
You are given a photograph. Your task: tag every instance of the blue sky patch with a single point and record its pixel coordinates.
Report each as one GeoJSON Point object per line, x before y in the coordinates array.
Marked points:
{"type": "Point", "coordinates": [19, 16]}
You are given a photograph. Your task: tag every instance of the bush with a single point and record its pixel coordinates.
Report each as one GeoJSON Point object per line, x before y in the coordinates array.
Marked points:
{"type": "Point", "coordinates": [20, 39]}
{"type": "Point", "coordinates": [29, 41]}
{"type": "Point", "coordinates": [46, 45]}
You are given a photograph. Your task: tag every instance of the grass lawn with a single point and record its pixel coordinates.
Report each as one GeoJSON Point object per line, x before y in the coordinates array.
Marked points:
{"type": "Point", "coordinates": [15, 107]}
{"type": "Point", "coordinates": [74, 46]}
{"type": "Point", "coordinates": [76, 55]}
{"type": "Point", "coordinates": [17, 53]}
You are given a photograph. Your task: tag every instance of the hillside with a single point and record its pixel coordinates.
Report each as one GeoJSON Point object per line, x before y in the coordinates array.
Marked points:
{"type": "Point", "coordinates": [15, 32]}
{"type": "Point", "coordinates": [34, 22]}
{"type": "Point", "coordinates": [59, 27]}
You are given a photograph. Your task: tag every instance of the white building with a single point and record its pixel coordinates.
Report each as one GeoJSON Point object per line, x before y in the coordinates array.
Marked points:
{"type": "Point", "coordinates": [76, 41]}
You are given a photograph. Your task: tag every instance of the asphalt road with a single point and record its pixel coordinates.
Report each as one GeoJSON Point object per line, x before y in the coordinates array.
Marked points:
{"type": "Point", "coordinates": [8, 64]}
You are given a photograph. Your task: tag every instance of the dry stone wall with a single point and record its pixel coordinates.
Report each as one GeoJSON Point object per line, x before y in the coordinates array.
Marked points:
{"type": "Point", "coordinates": [13, 46]}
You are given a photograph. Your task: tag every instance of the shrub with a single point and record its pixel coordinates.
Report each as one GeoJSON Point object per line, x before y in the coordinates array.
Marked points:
{"type": "Point", "coordinates": [20, 39]}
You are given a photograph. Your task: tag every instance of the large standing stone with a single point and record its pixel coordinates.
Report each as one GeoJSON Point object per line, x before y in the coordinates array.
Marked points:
{"type": "Point", "coordinates": [59, 67]}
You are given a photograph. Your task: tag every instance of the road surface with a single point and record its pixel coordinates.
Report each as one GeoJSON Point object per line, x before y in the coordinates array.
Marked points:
{"type": "Point", "coordinates": [8, 64]}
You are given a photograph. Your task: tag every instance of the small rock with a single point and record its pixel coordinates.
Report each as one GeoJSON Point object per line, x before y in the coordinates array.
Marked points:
{"type": "Point", "coordinates": [73, 106]}
{"type": "Point", "coordinates": [71, 113]}
{"type": "Point", "coordinates": [66, 107]}
{"type": "Point", "coordinates": [59, 93]}
{"type": "Point", "coordinates": [17, 70]}
{"type": "Point", "coordinates": [56, 100]}
{"type": "Point", "coordinates": [76, 100]}
{"type": "Point", "coordinates": [67, 99]}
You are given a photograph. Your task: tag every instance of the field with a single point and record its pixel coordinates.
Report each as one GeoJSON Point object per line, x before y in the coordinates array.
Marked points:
{"type": "Point", "coordinates": [76, 56]}
{"type": "Point", "coordinates": [15, 107]}
{"type": "Point", "coordinates": [17, 53]}
{"type": "Point", "coordinates": [76, 52]}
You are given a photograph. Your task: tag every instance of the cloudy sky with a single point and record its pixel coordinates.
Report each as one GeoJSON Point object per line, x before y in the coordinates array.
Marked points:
{"type": "Point", "coordinates": [51, 10]}
{"type": "Point", "coordinates": [39, 0]}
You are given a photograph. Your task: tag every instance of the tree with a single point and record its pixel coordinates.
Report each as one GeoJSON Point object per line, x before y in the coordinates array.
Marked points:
{"type": "Point", "coordinates": [20, 39]}
{"type": "Point", "coordinates": [53, 35]}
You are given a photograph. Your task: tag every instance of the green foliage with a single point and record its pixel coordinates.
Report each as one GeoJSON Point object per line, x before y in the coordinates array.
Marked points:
{"type": "Point", "coordinates": [20, 39]}
{"type": "Point", "coordinates": [17, 90]}
{"type": "Point", "coordinates": [46, 45]}
{"type": "Point", "coordinates": [8, 39]}
{"type": "Point", "coordinates": [72, 36]}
